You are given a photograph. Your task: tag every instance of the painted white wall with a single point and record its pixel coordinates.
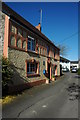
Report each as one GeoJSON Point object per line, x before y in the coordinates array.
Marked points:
{"type": "Point", "coordinates": [64, 65]}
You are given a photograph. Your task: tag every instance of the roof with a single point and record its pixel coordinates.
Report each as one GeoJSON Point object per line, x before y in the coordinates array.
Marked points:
{"type": "Point", "coordinates": [74, 62]}
{"type": "Point", "coordinates": [7, 10]}
{"type": "Point", "coordinates": [64, 59]}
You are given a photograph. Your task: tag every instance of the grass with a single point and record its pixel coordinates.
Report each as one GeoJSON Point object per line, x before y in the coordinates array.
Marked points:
{"type": "Point", "coordinates": [8, 99]}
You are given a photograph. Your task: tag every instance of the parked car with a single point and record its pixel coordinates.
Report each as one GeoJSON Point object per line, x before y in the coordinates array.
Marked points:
{"type": "Point", "coordinates": [65, 69]}
{"type": "Point", "coordinates": [73, 70]}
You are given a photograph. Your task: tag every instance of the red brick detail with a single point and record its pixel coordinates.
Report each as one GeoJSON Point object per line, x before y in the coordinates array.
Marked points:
{"type": "Point", "coordinates": [6, 35]}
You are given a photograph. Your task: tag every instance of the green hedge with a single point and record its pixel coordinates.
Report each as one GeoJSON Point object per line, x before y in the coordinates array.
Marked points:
{"type": "Point", "coordinates": [6, 75]}
{"type": "Point", "coordinates": [78, 71]}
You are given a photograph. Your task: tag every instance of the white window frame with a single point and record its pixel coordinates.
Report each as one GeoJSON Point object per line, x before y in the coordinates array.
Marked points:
{"type": "Point", "coordinates": [31, 43]}
{"type": "Point", "coordinates": [30, 68]}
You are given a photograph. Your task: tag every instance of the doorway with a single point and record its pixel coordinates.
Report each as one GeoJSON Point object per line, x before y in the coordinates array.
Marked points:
{"type": "Point", "coordinates": [49, 70]}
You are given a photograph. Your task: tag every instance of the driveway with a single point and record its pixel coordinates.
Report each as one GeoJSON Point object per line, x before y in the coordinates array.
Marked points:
{"type": "Point", "coordinates": [58, 99]}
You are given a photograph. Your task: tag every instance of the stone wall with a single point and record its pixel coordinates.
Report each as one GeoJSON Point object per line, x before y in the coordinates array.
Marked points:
{"type": "Point", "coordinates": [2, 28]}
{"type": "Point", "coordinates": [18, 59]}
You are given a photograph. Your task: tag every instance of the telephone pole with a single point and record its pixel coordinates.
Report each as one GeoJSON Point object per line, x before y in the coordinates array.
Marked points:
{"type": "Point", "coordinates": [41, 18]}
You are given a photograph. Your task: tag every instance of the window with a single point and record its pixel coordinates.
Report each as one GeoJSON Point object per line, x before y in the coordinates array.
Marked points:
{"type": "Point", "coordinates": [38, 49]}
{"type": "Point", "coordinates": [13, 29]}
{"type": "Point", "coordinates": [43, 51]}
{"type": "Point", "coordinates": [44, 63]}
{"type": "Point", "coordinates": [54, 54]}
{"type": "Point", "coordinates": [19, 32]}
{"type": "Point", "coordinates": [12, 40]}
{"type": "Point", "coordinates": [19, 43]}
{"type": "Point", "coordinates": [24, 45]}
{"type": "Point", "coordinates": [32, 68]}
{"type": "Point", "coordinates": [31, 43]}
{"type": "Point", "coordinates": [24, 34]}
{"type": "Point", "coordinates": [47, 50]}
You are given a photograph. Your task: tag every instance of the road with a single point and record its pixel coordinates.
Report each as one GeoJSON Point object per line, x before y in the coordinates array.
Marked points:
{"type": "Point", "coordinates": [55, 100]}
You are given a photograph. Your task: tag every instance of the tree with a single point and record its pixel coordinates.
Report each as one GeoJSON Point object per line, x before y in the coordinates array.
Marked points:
{"type": "Point", "coordinates": [63, 50]}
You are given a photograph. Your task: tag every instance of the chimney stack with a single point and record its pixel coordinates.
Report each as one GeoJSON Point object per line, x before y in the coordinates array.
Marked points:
{"type": "Point", "coordinates": [39, 27]}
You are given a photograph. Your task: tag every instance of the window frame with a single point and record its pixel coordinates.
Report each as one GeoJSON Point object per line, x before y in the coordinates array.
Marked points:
{"type": "Point", "coordinates": [28, 74]}
{"type": "Point", "coordinates": [30, 39]}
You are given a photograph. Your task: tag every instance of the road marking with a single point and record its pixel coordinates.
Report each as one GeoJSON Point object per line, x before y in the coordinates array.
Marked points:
{"type": "Point", "coordinates": [44, 106]}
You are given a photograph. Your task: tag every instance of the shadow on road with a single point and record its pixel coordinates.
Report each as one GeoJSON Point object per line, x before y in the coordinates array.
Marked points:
{"type": "Point", "coordinates": [73, 91]}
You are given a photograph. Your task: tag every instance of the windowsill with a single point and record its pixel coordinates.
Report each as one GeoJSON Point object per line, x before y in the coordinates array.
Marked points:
{"type": "Point", "coordinates": [32, 51]}
{"type": "Point", "coordinates": [33, 75]}
{"type": "Point", "coordinates": [17, 48]}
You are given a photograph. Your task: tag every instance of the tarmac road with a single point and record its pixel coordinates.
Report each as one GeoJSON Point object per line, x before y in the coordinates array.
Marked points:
{"type": "Point", "coordinates": [55, 100]}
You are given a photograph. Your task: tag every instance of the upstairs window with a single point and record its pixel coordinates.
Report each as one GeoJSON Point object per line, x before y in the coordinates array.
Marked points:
{"type": "Point", "coordinates": [24, 34]}
{"type": "Point", "coordinates": [13, 29]}
{"type": "Point", "coordinates": [47, 50]}
{"type": "Point", "coordinates": [38, 49]}
{"type": "Point", "coordinates": [13, 40]}
{"type": "Point", "coordinates": [54, 54]}
{"type": "Point", "coordinates": [43, 51]}
{"type": "Point", "coordinates": [24, 45]}
{"type": "Point", "coordinates": [19, 31]}
{"type": "Point", "coordinates": [31, 43]}
{"type": "Point", "coordinates": [19, 43]}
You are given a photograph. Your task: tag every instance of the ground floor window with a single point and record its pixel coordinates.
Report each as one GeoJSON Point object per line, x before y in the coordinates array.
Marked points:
{"type": "Point", "coordinates": [32, 68]}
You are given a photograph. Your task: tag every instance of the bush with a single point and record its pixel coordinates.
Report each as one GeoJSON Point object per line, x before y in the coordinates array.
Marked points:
{"type": "Point", "coordinates": [6, 75]}
{"type": "Point", "coordinates": [78, 71]}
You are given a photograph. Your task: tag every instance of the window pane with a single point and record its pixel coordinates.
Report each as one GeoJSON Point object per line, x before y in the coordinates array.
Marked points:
{"type": "Point", "coordinates": [24, 34]}
{"type": "Point", "coordinates": [27, 67]}
{"type": "Point", "coordinates": [38, 49]}
{"type": "Point", "coordinates": [47, 50]}
{"type": "Point", "coordinates": [19, 32]}
{"type": "Point", "coordinates": [29, 45]}
{"type": "Point", "coordinates": [43, 50]}
{"type": "Point", "coordinates": [31, 68]}
{"type": "Point", "coordinates": [33, 45]}
{"type": "Point", "coordinates": [12, 40]}
{"type": "Point", "coordinates": [19, 43]}
{"type": "Point", "coordinates": [13, 29]}
{"type": "Point", "coordinates": [54, 54]}
{"type": "Point", "coordinates": [24, 45]}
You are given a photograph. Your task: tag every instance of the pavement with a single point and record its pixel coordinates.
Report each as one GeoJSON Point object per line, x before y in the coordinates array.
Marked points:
{"type": "Point", "coordinates": [58, 99]}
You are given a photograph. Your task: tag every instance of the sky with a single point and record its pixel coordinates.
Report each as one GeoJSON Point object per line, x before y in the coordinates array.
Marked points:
{"type": "Point", "coordinates": [59, 22]}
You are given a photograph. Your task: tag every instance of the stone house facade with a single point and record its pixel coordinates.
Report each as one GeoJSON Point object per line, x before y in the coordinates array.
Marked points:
{"type": "Point", "coordinates": [33, 56]}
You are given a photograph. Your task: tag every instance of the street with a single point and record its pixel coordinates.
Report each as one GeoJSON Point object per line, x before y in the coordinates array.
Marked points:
{"type": "Point", "coordinates": [58, 99]}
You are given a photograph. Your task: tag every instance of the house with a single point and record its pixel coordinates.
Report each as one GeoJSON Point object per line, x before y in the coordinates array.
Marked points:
{"type": "Point", "coordinates": [65, 63]}
{"type": "Point", "coordinates": [74, 64]}
{"type": "Point", "coordinates": [34, 57]}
